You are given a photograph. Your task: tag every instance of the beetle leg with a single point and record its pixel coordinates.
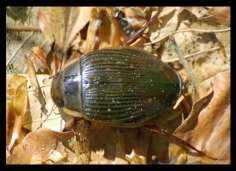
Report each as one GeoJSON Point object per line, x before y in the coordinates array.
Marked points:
{"type": "Point", "coordinates": [70, 123]}
{"type": "Point", "coordinates": [178, 102]}
{"type": "Point", "coordinates": [82, 148]}
{"type": "Point", "coordinates": [120, 145]}
{"type": "Point", "coordinates": [136, 35]}
{"type": "Point", "coordinates": [149, 148]}
{"type": "Point", "coordinates": [175, 139]}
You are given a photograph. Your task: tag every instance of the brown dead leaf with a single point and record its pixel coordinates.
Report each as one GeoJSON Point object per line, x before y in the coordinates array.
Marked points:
{"type": "Point", "coordinates": [168, 22]}
{"type": "Point", "coordinates": [20, 101]}
{"type": "Point", "coordinates": [56, 156]}
{"type": "Point", "coordinates": [103, 31]}
{"type": "Point", "coordinates": [222, 14]}
{"type": "Point", "coordinates": [39, 147]}
{"type": "Point", "coordinates": [33, 118]}
{"type": "Point", "coordinates": [212, 131]}
{"type": "Point", "coordinates": [47, 63]}
{"type": "Point", "coordinates": [135, 16]}
{"type": "Point", "coordinates": [97, 144]}
{"type": "Point", "coordinates": [204, 50]}
{"type": "Point", "coordinates": [91, 39]}
{"type": "Point", "coordinates": [9, 120]}
{"type": "Point", "coordinates": [116, 34]}
{"type": "Point", "coordinates": [55, 64]}
{"type": "Point", "coordinates": [62, 24]}
{"type": "Point", "coordinates": [166, 11]}
{"type": "Point", "coordinates": [133, 158]}
{"type": "Point", "coordinates": [199, 12]}
{"type": "Point", "coordinates": [52, 119]}
{"type": "Point", "coordinates": [17, 109]}
{"type": "Point", "coordinates": [13, 82]}
{"type": "Point", "coordinates": [41, 59]}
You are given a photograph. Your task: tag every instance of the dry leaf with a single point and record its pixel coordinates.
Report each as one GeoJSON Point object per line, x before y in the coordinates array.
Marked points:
{"type": "Point", "coordinates": [222, 14]}
{"type": "Point", "coordinates": [17, 109]}
{"type": "Point", "coordinates": [52, 119]}
{"type": "Point", "coordinates": [55, 64]}
{"type": "Point", "coordinates": [55, 156]}
{"type": "Point", "coordinates": [89, 28]}
{"type": "Point", "coordinates": [116, 34]}
{"type": "Point", "coordinates": [165, 25]}
{"type": "Point", "coordinates": [167, 11]}
{"type": "Point", "coordinates": [199, 12]}
{"type": "Point", "coordinates": [135, 16]}
{"type": "Point", "coordinates": [41, 59]}
{"type": "Point", "coordinates": [204, 51]}
{"type": "Point", "coordinates": [20, 101]}
{"type": "Point", "coordinates": [103, 31]}
{"type": "Point", "coordinates": [92, 41]}
{"type": "Point", "coordinates": [9, 120]}
{"type": "Point", "coordinates": [212, 132]}
{"type": "Point", "coordinates": [33, 119]}
{"type": "Point", "coordinates": [37, 147]}
{"type": "Point", "coordinates": [62, 24]}
{"type": "Point", "coordinates": [133, 158]}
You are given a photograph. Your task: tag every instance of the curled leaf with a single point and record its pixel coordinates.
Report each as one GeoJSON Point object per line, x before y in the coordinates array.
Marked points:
{"type": "Point", "coordinates": [9, 120]}
{"type": "Point", "coordinates": [41, 58]}
{"type": "Point", "coordinates": [39, 147]}
{"type": "Point", "coordinates": [62, 24]}
{"type": "Point", "coordinates": [211, 134]}
{"type": "Point", "coordinates": [17, 109]}
{"type": "Point", "coordinates": [52, 119]}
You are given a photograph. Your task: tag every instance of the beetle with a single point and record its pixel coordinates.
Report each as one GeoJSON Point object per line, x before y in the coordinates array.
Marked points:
{"type": "Point", "coordinates": [120, 87]}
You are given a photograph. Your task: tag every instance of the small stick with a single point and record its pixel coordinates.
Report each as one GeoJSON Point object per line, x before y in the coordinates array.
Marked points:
{"type": "Point", "coordinates": [47, 116]}
{"type": "Point", "coordinates": [180, 99]}
{"type": "Point", "coordinates": [22, 29]}
{"type": "Point", "coordinates": [187, 30]}
{"type": "Point", "coordinates": [20, 46]}
{"type": "Point", "coordinates": [193, 54]}
{"type": "Point", "coordinates": [140, 31]}
{"type": "Point", "coordinates": [187, 67]}
{"type": "Point", "coordinates": [35, 84]}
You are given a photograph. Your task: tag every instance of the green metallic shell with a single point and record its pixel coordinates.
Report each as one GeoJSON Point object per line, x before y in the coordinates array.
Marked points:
{"type": "Point", "coordinates": [125, 87]}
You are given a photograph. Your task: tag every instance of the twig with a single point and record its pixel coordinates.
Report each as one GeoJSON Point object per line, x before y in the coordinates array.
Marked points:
{"type": "Point", "coordinates": [187, 30]}
{"type": "Point", "coordinates": [20, 46]}
{"type": "Point", "coordinates": [187, 67]}
{"type": "Point", "coordinates": [180, 99]}
{"type": "Point", "coordinates": [193, 54]}
{"type": "Point", "coordinates": [35, 84]}
{"type": "Point", "coordinates": [23, 29]}
{"type": "Point", "coordinates": [47, 116]}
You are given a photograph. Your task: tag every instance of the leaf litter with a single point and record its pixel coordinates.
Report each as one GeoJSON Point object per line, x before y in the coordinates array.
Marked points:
{"type": "Point", "coordinates": [202, 35]}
